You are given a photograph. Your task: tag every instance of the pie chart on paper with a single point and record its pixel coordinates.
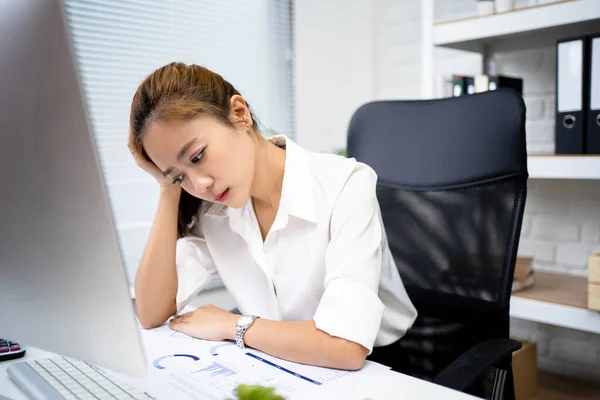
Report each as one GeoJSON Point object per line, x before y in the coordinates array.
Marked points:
{"type": "Point", "coordinates": [159, 363]}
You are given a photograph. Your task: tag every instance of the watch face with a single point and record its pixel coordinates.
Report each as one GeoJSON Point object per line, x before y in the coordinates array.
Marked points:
{"type": "Point", "coordinates": [245, 320]}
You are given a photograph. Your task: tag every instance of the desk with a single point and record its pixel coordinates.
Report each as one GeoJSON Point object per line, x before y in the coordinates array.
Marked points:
{"type": "Point", "coordinates": [381, 386]}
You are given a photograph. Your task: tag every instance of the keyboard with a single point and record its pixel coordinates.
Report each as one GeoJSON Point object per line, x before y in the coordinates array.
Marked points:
{"type": "Point", "coordinates": [58, 378]}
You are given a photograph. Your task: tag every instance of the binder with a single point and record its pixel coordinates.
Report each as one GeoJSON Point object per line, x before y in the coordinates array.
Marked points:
{"type": "Point", "coordinates": [593, 104]}
{"type": "Point", "coordinates": [462, 85]}
{"type": "Point", "coordinates": [470, 84]}
{"type": "Point", "coordinates": [570, 96]}
{"type": "Point", "coordinates": [499, 81]}
{"type": "Point", "coordinates": [458, 85]}
{"type": "Point", "coordinates": [482, 83]}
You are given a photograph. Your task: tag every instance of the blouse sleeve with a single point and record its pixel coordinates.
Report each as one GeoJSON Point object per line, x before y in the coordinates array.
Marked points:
{"type": "Point", "coordinates": [350, 307]}
{"type": "Point", "coordinates": [195, 268]}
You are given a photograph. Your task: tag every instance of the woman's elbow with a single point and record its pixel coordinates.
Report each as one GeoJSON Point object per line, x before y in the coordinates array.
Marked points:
{"type": "Point", "coordinates": [353, 356]}
{"type": "Point", "coordinates": [357, 361]}
{"type": "Point", "coordinates": [354, 364]}
{"type": "Point", "coordinates": [148, 323]}
{"type": "Point", "coordinates": [150, 320]}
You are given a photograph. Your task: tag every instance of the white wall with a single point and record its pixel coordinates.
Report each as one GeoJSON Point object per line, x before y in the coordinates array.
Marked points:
{"type": "Point", "coordinates": [396, 44]}
{"type": "Point", "coordinates": [333, 57]}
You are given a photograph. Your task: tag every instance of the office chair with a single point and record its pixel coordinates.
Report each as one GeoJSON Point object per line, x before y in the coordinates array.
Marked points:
{"type": "Point", "coordinates": [452, 177]}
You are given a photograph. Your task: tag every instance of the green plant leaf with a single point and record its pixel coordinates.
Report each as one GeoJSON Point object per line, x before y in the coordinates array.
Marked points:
{"type": "Point", "coordinates": [256, 392]}
{"type": "Point", "coordinates": [341, 152]}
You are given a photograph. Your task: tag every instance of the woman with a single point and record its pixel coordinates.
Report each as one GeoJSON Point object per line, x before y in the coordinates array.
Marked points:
{"type": "Point", "coordinates": [296, 237]}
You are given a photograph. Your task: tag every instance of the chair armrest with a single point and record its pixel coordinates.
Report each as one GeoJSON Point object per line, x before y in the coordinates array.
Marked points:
{"type": "Point", "coordinates": [470, 365]}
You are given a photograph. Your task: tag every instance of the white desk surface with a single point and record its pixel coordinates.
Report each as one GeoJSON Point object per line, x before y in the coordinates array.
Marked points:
{"type": "Point", "coordinates": [386, 385]}
{"type": "Point", "coordinates": [7, 387]}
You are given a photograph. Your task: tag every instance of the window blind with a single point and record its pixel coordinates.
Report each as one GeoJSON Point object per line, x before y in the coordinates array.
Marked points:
{"type": "Point", "coordinates": [118, 43]}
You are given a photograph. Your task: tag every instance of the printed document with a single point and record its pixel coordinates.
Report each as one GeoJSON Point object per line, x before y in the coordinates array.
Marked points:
{"type": "Point", "coordinates": [187, 368]}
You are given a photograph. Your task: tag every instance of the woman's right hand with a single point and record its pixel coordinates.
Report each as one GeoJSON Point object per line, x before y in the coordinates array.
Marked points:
{"type": "Point", "coordinates": [150, 167]}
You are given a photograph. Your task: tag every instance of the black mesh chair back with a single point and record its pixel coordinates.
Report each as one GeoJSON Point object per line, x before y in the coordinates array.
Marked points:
{"type": "Point", "coordinates": [452, 187]}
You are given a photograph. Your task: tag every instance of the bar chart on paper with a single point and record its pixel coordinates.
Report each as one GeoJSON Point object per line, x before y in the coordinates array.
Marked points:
{"type": "Point", "coordinates": [215, 369]}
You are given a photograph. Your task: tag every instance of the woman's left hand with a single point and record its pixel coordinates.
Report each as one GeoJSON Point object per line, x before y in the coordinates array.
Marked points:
{"type": "Point", "coordinates": [207, 322]}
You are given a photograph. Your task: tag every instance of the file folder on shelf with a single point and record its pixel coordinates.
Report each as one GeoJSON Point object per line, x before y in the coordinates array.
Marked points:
{"type": "Point", "coordinates": [458, 85]}
{"type": "Point", "coordinates": [500, 81]}
{"type": "Point", "coordinates": [470, 84]}
{"type": "Point", "coordinates": [462, 85]}
{"type": "Point", "coordinates": [571, 96]}
{"type": "Point", "coordinates": [593, 105]}
{"type": "Point", "coordinates": [482, 83]}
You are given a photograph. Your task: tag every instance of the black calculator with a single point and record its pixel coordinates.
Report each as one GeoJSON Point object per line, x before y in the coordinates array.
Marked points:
{"type": "Point", "coordinates": [10, 350]}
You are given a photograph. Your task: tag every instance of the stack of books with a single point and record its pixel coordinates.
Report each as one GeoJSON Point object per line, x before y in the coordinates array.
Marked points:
{"type": "Point", "coordinates": [460, 85]}
{"type": "Point", "coordinates": [524, 274]}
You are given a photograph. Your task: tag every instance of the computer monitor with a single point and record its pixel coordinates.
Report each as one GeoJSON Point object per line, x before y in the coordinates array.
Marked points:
{"type": "Point", "coordinates": [63, 287]}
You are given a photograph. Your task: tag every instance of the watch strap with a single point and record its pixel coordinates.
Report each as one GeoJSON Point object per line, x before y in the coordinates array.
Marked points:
{"type": "Point", "coordinates": [241, 329]}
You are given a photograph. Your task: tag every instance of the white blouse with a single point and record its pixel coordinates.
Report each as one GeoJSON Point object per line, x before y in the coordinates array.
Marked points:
{"type": "Point", "coordinates": [326, 257]}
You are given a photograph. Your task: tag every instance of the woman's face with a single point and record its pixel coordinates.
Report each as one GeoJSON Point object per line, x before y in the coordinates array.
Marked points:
{"type": "Point", "coordinates": [210, 160]}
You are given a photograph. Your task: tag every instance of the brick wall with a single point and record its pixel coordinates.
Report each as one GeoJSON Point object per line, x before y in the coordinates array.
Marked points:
{"type": "Point", "coordinates": [561, 227]}
{"type": "Point", "coordinates": [562, 217]}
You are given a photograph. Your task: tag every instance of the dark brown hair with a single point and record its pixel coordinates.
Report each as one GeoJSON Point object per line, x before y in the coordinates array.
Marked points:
{"type": "Point", "coordinates": [178, 92]}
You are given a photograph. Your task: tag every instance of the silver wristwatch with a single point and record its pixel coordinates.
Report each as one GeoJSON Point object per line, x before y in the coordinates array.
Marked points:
{"type": "Point", "coordinates": [240, 328]}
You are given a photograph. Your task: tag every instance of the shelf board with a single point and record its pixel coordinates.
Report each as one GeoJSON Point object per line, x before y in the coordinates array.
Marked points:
{"type": "Point", "coordinates": [556, 299]}
{"type": "Point", "coordinates": [522, 28]}
{"type": "Point", "coordinates": [563, 167]}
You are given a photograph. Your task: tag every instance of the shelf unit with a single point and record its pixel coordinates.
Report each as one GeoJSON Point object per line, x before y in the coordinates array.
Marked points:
{"type": "Point", "coordinates": [563, 167]}
{"type": "Point", "coordinates": [556, 300]}
{"type": "Point", "coordinates": [527, 28]}
{"type": "Point", "coordinates": [519, 29]}
{"type": "Point", "coordinates": [523, 28]}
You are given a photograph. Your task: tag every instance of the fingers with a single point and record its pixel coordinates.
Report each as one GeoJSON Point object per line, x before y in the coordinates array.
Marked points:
{"type": "Point", "coordinates": [182, 317]}
{"type": "Point", "coordinates": [177, 324]}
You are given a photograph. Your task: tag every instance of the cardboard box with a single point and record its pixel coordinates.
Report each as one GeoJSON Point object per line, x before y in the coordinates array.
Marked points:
{"type": "Point", "coordinates": [594, 268]}
{"type": "Point", "coordinates": [594, 296]}
{"type": "Point", "coordinates": [524, 365]}
{"type": "Point", "coordinates": [523, 267]}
